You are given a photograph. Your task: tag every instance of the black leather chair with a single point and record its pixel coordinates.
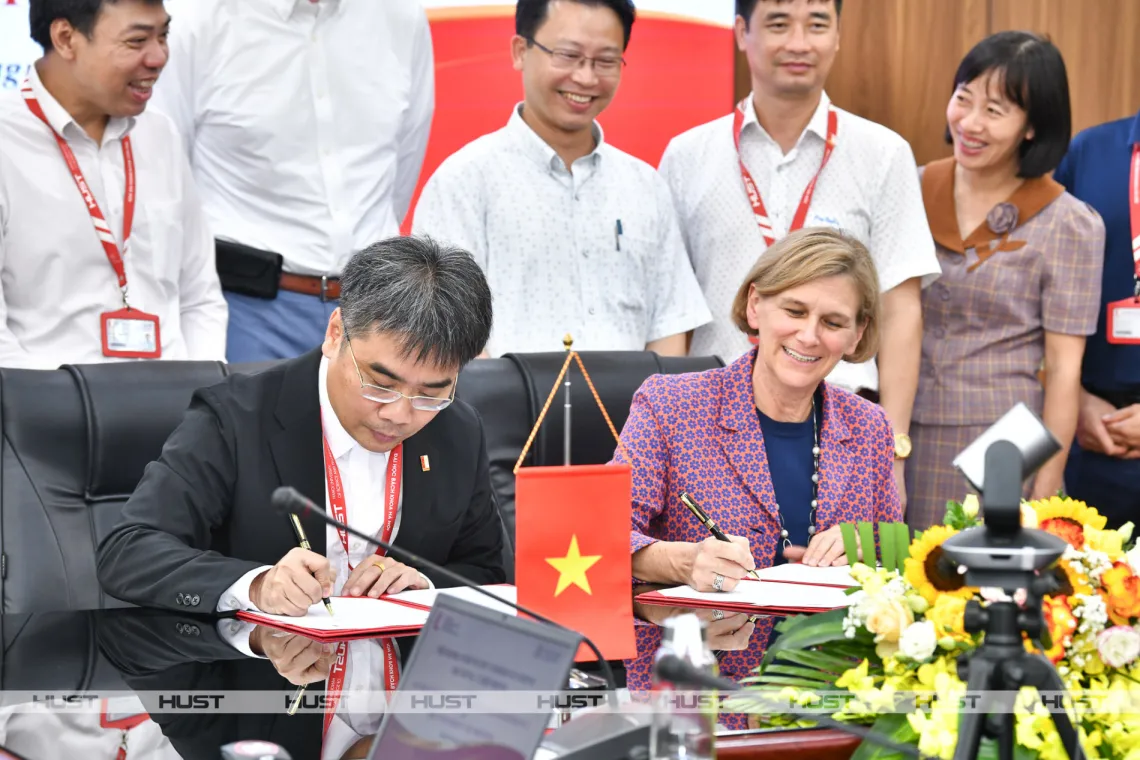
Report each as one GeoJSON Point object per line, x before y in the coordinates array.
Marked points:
{"type": "Point", "coordinates": [509, 393]}
{"type": "Point", "coordinates": [74, 445]}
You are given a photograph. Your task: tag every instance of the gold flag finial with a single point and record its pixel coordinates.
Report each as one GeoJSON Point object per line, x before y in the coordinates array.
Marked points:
{"type": "Point", "coordinates": [567, 341]}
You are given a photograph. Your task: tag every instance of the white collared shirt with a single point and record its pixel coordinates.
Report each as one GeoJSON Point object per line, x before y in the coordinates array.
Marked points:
{"type": "Point", "coordinates": [306, 122]}
{"type": "Point", "coordinates": [547, 240]}
{"type": "Point", "coordinates": [55, 275]}
{"type": "Point", "coordinates": [869, 189]}
{"type": "Point", "coordinates": [362, 474]}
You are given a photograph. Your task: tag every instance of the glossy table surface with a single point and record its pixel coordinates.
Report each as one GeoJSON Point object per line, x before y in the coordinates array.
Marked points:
{"type": "Point", "coordinates": [171, 665]}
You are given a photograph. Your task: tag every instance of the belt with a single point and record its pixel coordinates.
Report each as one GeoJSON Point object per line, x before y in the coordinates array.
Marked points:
{"type": "Point", "coordinates": [326, 288]}
{"type": "Point", "coordinates": [1119, 399]}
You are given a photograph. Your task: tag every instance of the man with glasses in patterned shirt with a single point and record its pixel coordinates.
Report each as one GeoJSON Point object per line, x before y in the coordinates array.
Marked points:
{"type": "Point", "coordinates": [574, 235]}
{"type": "Point", "coordinates": [367, 426]}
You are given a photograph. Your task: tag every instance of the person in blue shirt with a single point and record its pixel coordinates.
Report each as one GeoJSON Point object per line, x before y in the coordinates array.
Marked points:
{"type": "Point", "coordinates": [1104, 464]}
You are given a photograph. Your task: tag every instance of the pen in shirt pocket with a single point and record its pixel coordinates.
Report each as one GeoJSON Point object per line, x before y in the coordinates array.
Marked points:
{"type": "Point", "coordinates": [617, 235]}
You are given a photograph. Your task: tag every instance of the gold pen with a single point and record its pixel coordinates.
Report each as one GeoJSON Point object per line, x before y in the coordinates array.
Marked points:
{"type": "Point", "coordinates": [296, 701]}
{"type": "Point", "coordinates": [712, 527]}
{"type": "Point", "coordinates": [304, 542]}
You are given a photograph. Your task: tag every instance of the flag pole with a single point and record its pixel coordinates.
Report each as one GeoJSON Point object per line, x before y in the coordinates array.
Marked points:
{"type": "Point", "coordinates": [568, 344]}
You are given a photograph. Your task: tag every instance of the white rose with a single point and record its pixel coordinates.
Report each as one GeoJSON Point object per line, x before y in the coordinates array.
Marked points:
{"type": "Point", "coordinates": [919, 641]}
{"type": "Point", "coordinates": [1118, 646]}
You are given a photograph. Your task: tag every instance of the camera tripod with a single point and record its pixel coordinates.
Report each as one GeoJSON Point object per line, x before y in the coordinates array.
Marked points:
{"type": "Point", "coordinates": [1002, 664]}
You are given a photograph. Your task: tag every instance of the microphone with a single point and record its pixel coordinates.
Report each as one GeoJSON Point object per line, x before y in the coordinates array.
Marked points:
{"type": "Point", "coordinates": [675, 670]}
{"type": "Point", "coordinates": [289, 500]}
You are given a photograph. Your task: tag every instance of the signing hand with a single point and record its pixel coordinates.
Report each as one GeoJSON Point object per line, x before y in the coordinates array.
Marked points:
{"type": "Point", "coordinates": [1092, 433]}
{"type": "Point", "coordinates": [823, 550]}
{"type": "Point", "coordinates": [291, 586]}
{"type": "Point", "coordinates": [381, 575]}
{"type": "Point", "coordinates": [300, 660]}
{"type": "Point", "coordinates": [729, 561]}
{"type": "Point", "coordinates": [1123, 425]}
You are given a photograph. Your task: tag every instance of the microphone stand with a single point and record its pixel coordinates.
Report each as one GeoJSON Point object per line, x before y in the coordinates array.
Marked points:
{"type": "Point", "coordinates": [291, 501]}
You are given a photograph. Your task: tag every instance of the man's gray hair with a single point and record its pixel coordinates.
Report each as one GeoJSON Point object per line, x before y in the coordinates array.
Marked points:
{"type": "Point", "coordinates": [432, 297]}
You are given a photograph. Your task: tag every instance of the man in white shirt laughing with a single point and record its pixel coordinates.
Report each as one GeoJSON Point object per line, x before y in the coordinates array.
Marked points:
{"type": "Point", "coordinates": [306, 123]}
{"type": "Point", "coordinates": [104, 249]}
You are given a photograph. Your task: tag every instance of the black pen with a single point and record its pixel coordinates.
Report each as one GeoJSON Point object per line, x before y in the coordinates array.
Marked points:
{"type": "Point", "coordinates": [706, 521]}
{"type": "Point", "coordinates": [617, 235]}
{"type": "Point", "coordinates": [304, 542]}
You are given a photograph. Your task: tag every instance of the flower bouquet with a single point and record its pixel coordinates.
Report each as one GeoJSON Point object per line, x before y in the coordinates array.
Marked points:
{"type": "Point", "coordinates": [890, 659]}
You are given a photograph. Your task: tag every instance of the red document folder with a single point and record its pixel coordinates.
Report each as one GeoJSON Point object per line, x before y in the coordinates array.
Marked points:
{"type": "Point", "coordinates": [761, 597]}
{"type": "Point", "coordinates": [353, 618]}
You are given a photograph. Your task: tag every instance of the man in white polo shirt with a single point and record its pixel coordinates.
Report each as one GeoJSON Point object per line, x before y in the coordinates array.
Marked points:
{"type": "Point", "coordinates": [104, 250]}
{"type": "Point", "coordinates": [789, 136]}
{"type": "Point", "coordinates": [574, 235]}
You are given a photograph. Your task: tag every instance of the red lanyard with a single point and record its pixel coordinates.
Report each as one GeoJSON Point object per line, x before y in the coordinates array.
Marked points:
{"type": "Point", "coordinates": [335, 683]}
{"type": "Point", "coordinates": [754, 198]}
{"type": "Point", "coordinates": [391, 495]}
{"type": "Point", "coordinates": [1134, 206]}
{"type": "Point", "coordinates": [124, 724]}
{"type": "Point", "coordinates": [102, 229]}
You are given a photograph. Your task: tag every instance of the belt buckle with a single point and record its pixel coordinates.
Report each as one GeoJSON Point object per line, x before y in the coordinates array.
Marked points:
{"type": "Point", "coordinates": [324, 288]}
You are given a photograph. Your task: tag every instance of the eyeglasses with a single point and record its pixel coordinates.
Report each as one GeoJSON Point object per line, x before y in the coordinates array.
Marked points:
{"type": "Point", "coordinates": [569, 60]}
{"type": "Point", "coordinates": [382, 395]}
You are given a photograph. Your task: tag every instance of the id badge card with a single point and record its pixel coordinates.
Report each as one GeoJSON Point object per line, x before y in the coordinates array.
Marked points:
{"type": "Point", "coordinates": [1124, 322]}
{"type": "Point", "coordinates": [131, 334]}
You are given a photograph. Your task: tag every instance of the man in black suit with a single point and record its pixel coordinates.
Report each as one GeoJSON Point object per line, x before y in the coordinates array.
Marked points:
{"type": "Point", "coordinates": [372, 413]}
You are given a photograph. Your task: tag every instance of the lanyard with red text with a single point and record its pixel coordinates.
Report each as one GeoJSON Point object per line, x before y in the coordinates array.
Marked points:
{"type": "Point", "coordinates": [335, 684]}
{"type": "Point", "coordinates": [1123, 326]}
{"type": "Point", "coordinates": [754, 198]}
{"type": "Point", "coordinates": [392, 478]}
{"type": "Point", "coordinates": [1134, 207]}
{"type": "Point", "coordinates": [127, 333]}
{"type": "Point", "coordinates": [124, 723]}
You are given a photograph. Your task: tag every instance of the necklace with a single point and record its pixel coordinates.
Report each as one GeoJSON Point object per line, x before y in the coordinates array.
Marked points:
{"type": "Point", "coordinates": [784, 540]}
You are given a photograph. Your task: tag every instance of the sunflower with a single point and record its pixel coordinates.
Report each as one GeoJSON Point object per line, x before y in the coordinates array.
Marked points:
{"type": "Point", "coordinates": [1068, 580]}
{"type": "Point", "coordinates": [1067, 518]}
{"type": "Point", "coordinates": [930, 571]}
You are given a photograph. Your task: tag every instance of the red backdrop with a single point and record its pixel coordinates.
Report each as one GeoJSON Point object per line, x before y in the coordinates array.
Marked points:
{"type": "Point", "coordinates": [679, 74]}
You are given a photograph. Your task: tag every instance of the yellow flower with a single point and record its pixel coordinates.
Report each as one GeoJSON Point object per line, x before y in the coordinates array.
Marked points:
{"type": "Point", "coordinates": [1069, 581]}
{"type": "Point", "coordinates": [948, 615]}
{"type": "Point", "coordinates": [1110, 542]}
{"type": "Point", "coordinates": [930, 572]}
{"type": "Point", "coordinates": [856, 679]}
{"type": "Point", "coordinates": [887, 617]}
{"type": "Point", "coordinates": [1067, 518]}
{"type": "Point", "coordinates": [970, 505]}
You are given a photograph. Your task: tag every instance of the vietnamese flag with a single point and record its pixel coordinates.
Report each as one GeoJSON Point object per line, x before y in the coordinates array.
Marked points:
{"type": "Point", "coordinates": [572, 560]}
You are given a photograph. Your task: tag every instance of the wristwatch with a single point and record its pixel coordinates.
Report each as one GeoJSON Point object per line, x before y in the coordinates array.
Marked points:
{"type": "Point", "coordinates": [902, 446]}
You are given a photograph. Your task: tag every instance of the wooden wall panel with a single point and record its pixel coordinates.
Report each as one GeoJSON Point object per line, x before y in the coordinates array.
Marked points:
{"type": "Point", "coordinates": [897, 58]}
{"type": "Point", "coordinates": [896, 64]}
{"type": "Point", "coordinates": [1099, 39]}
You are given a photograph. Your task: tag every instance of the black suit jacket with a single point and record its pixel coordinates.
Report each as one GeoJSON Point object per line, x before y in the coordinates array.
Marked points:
{"type": "Point", "coordinates": [201, 516]}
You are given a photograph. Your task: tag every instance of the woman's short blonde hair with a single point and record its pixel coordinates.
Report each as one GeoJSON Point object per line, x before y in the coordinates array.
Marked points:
{"type": "Point", "coordinates": [812, 254]}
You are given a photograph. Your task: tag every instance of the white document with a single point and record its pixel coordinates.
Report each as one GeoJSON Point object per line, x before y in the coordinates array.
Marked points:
{"type": "Point", "coordinates": [427, 596]}
{"type": "Point", "coordinates": [353, 613]}
{"type": "Point", "coordinates": [806, 574]}
{"type": "Point", "coordinates": [767, 594]}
